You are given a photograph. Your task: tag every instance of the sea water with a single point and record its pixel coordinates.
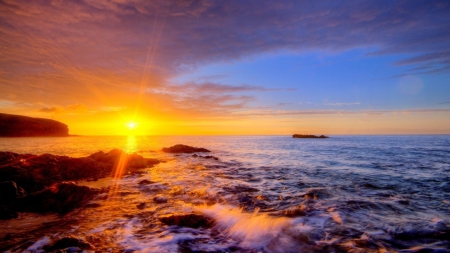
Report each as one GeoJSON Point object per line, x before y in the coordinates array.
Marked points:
{"type": "Point", "coordinates": [265, 194]}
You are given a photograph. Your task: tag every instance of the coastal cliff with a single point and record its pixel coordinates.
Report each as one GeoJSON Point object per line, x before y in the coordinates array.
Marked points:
{"type": "Point", "coordinates": [23, 126]}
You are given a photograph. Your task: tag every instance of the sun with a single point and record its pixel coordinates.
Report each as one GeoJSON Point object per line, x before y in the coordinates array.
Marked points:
{"type": "Point", "coordinates": [131, 125]}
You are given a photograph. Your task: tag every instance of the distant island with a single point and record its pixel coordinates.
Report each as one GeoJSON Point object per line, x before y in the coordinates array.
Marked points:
{"type": "Point", "coordinates": [22, 126]}
{"type": "Point", "coordinates": [309, 136]}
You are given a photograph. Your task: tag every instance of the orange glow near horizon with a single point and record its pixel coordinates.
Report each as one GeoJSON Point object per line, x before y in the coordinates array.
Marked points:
{"type": "Point", "coordinates": [148, 122]}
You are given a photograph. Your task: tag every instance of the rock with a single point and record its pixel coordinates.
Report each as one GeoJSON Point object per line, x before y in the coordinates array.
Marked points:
{"type": "Point", "coordinates": [191, 220]}
{"type": "Point", "coordinates": [23, 126]}
{"type": "Point", "coordinates": [211, 157]}
{"type": "Point", "coordinates": [68, 242]}
{"type": "Point", "coordinates": [92, 205]}
{"type": "Point", "coordinates": [317, 193]}
{"type": "Point", "coordinates": [160, 199]}
{"type": "Point", "coordinates": [35, 172]}
{"type": "Point", "coordinates": [141, 206]}
{"type": "Point", "coordinates": [145, 181]}
{"type": "Point", "coordinates": [60, 198]}
{"type": "Point", "coordinates": [7, 213]}
{"type": "Point", "coordinates": [9, 192]}
{"type": "Point", "coordinates": [308, 136]}
{"type": "Point", "coordinates": [206, 157]}
{"type": "Point", "coordinates": [180, 148]}
{"type": "Point", "coordinates": [297, 211]}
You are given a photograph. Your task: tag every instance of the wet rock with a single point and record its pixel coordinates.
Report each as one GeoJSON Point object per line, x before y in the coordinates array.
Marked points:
{"type": "Point", "coordinates": [160, 199]}
{"type": "Point", "coordinates": [35, 172]}
{"type": "Point", "coordinates": [241, 188]}
{"type": "Point", "coordinates": [403, 202]}
{"type": "Point", "coordinates": [92, 205]}
{"type": "Point", "coordinates": [297, 211]}
{"type": "Point", "coordinates": [180, 148]}
{"type": "Point", "coordinates": [60, 198]}
{"type": "Point", "coordinates": [317, 193]}
{"type": "Point", "coordinates": [9, 192]}
{"type": "Point", "coordinates": [7, 213]}
{"type": "Point", "coordinates": [370, 186]}
{"type": "Point", "coordinates": [206, 157]}
{"type": "Point", "coordinates": [68, 242]}
{"type": "Point", "coordinates": [145, 181]}
{"type": "Point", "coordinates": [191, 220]}
{"type": "Point", "coordinates": [211, 157]}
{"type": "Point", "coordinates": [140, 206]}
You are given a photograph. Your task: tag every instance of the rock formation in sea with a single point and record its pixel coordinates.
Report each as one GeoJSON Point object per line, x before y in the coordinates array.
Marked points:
{"type": "Point", "coordinates": [23, 126]}
{"type": "Point", "coordinates": [180, 148]}
{"type": "Point", "coordinates": [41, 183]}
{"type": "Point", "coordinates": [309, 136]}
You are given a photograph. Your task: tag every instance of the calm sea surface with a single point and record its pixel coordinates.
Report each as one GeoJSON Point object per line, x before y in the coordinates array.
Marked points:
{"type": "Point", "coordinates": [266, 194]}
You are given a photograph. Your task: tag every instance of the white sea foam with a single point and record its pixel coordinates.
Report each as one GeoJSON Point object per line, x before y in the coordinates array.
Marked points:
{"type": "Point", "coordinates": [255, 230]}
{"type": "Point", "coordinates": [162, 242]}
{"type": "Point", "coordinates": [37, 246]}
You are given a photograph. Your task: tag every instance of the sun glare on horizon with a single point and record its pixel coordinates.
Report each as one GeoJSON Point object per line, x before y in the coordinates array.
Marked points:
{"type": "Point", "coordinates": [131, 125]}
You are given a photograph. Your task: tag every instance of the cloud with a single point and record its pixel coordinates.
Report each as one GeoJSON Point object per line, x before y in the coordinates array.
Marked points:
{"type": "Point", "coordinates": [51, 109]}
{"type": "Point", "coordinates": [269, 112]}
{"type": "Point", "coordinates": [343, 104]}
{"type": "Point", "coordinates": [210, 87]}
{"type": "Point", "coordinates": [75, 108]}
{"type": "Point", "coordinates": [166, 36]}
{"type": "Point", "coordinates": [108, 52]}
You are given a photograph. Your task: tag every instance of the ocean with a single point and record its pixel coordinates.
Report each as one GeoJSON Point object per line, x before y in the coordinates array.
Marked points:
{"type": "Point", "coordinates": [264, 194]}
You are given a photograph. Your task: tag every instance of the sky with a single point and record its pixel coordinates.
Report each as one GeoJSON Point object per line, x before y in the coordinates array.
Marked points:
{"type": "Point", "coordinates": [228, 67]}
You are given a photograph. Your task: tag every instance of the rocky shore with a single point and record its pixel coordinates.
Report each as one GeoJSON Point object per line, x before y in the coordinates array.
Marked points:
{"type": "Point", "coordinates": [44, 183]}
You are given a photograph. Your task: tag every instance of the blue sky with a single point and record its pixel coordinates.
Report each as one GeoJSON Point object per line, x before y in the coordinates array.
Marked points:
{"type": "Point", "coordinates": [350, 80]}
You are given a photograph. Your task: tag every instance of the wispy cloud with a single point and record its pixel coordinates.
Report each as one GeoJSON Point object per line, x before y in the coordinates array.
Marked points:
{"type": "Point", "coordinates": [332, 112]}
{"type": "Point", "coordinates": [221, 88]}
{"type": "Point", "coordinates": [106, 53]}
{"type": "Point", "coordinates": [75, 108]}
{"type": "Point", "coordinates": [343, 104]}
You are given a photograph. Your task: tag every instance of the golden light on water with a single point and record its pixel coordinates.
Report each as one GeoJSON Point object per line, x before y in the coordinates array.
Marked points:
{"type": "Point", "coordinates": [131, 146]}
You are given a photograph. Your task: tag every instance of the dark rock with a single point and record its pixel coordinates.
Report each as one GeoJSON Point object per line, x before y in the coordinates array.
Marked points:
{"type": "Point", "coordinates": [180, 148]}
{"type": "Point", "coordinates": [317, 193]}
{"type": "Point", "coordinates": [309, 136]}
{"type": "Point", "coordinates": [240, 189]}
{"type": "Point", "coordinates": [141, 206]}
{"type": "Point", "coordinates": [9, 192]}
{"type": "Point", "coordinates": [7, 213]}
{"type": "Point", "coordinates": [191, 220]}
{"type": "Point", "coordinates": [206, 157]}
{"type": "Point", "coordinates": [92, 205]}
{"type": "Point", "coordinates": [60, 198]}
{"type": "Point", "coordinates": [160, 199]}
{"type": "Point", "coordinates": [297, 211]}
{"type": "Point", "coordinates": [23, 126]}
{"type": "Point", "coordinates": [145, 181]}
{"type": "Point", "coordinates": [403, 202]}
{"type": "Point", "coordinates": [211, 157]}
{"type": "Point", "coordinates": [35, 172]}
{"type": "Point", "coordinates": [67, 242]}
